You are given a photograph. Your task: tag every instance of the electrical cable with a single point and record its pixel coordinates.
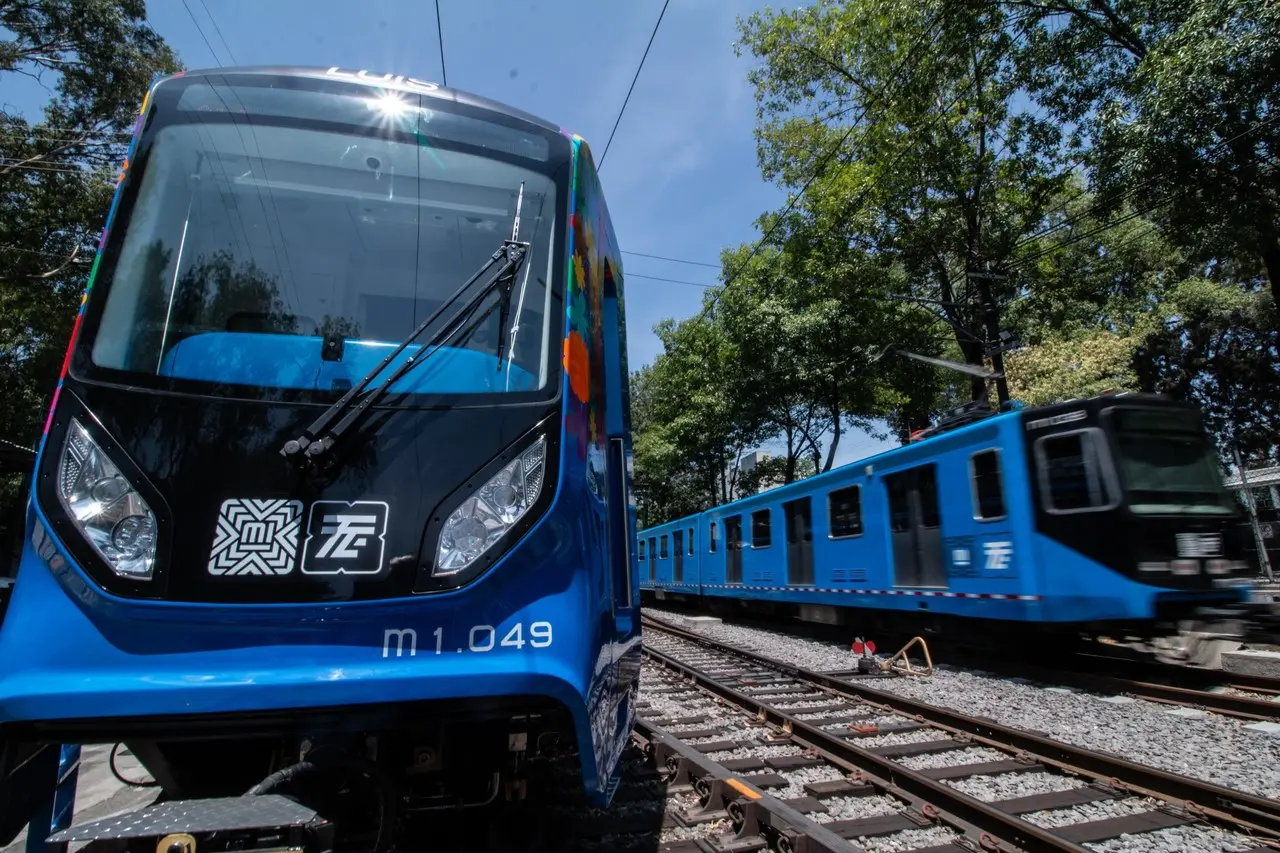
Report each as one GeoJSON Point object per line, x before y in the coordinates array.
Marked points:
{"type": "Point", "coordinates": [618, 121]}
{"type": "Point", "coordinates": [444, 75]}
{"type": "Point", "coordinates": [115, 771]}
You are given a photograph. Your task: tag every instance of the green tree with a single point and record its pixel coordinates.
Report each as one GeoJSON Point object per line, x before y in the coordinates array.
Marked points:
{"type": "Point", "coordinates": [937, 171]}
{"type": "Point", "coordinates": [1174, 105]}
{"type": "Point", "coordinates": [96, 58]}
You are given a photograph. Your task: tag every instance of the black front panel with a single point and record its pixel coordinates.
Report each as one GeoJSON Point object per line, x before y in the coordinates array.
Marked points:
{"type": "Point", "coordinates": [1082, 501]}
{"type": "Point", "coordinates": [206, 466]}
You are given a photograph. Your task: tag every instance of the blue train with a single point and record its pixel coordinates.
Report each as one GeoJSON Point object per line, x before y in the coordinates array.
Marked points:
{"type": "Point", "coordinates": [1098, 514]}
{"type": "Point", "coordinates": [338, 468]}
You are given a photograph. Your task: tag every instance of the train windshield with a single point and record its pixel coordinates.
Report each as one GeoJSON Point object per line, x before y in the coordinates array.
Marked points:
{"type": "Point", "coordinates": [283, 235]}
{"type": "Point", "coordinates": [1167, 464]}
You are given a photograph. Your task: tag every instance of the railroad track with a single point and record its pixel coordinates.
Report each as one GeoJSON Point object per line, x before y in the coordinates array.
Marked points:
{"type": "Point", "coordinates": [1246, 697]}
{"type": "Point", "coordinates": [970, 782]}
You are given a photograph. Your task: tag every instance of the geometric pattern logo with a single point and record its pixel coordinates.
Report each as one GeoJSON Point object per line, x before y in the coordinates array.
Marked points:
{"type": "Point", "coordinates": [345, 538]}
{"type": "Point", "coordinates": [256, 537]}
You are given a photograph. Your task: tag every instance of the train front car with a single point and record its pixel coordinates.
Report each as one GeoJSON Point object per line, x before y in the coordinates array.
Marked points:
{"type": "Point", "coordinates": [1135, 524]}
{"type": "Point", "coordinates": [221, 544]}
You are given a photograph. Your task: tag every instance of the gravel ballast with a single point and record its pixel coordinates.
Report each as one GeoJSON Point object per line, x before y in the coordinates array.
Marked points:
{"type": "Point", "coordinates": [1214, 748]}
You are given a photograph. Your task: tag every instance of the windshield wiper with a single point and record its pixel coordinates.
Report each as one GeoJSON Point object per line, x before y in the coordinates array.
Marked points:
{"type": "Point", "coordinates": [511, 254]}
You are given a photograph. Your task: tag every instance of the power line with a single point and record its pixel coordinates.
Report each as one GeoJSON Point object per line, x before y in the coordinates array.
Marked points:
{"type": "Point", "coordinates": [671, 280]}
{"type": "Point", "coordinates": [444, 76]}
{"type": "Point", "coordinates": [673, 260]}
{"type": "Point", "coordinates": [600, 165]}
{"type": "Point", "coordinates": [218, 30]}
{"type": "Point", "coordinates": [200, 30]}
{"type": "Point", "coordinates": [822, 165]}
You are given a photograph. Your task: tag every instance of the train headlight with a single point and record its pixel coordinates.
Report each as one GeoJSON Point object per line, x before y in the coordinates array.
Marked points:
{"type": "Point", "coordinates": [105, 507]}
{"type": "Point", "coordinates": [486, 515]}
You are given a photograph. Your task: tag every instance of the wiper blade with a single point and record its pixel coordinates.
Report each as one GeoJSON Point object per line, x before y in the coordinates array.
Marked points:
{"type": "Point", "coordinates": [314, 441]}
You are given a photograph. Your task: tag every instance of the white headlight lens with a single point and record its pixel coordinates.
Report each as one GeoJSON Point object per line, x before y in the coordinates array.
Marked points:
{"type": "Point", "coordinates": [486, 516]}
{"type": "Point", "coordinates": [105, 507]}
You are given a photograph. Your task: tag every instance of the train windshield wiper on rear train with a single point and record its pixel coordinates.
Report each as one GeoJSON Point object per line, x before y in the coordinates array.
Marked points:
{"type": "Point", "coordinates": [348, 409]}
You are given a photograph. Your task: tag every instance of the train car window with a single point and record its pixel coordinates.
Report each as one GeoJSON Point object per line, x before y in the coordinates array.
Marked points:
{"type": "Point", "coordinates": [711, 538]}
{"type": "Point", "coordinates": [761, 535]}
{"type": "Point", "coordinates": [927, 483]}
{"type": "Point", "coordinates": [733, 549]}
{"type": "Point", "coordinates": [640, 556]}
{"type": "Point", "coordinates": [690, 541]}
{"type": "Point", "coordinates": [988, 493]}
{"type": "Point", "coordinates": [1071, 472]}
{"type": "Point", "coordinates": [899, 504]}
{"type": "Point", "coordinates": [844, 512]}
{"type": "Point", "coordinates": [664, 553]}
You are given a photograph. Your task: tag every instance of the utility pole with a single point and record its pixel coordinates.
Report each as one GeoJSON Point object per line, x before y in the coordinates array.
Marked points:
{"type": "Point", "coordinates": [994, 345]}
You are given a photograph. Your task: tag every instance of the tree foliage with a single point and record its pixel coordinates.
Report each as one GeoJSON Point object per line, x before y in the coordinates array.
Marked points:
{"type": "Point", "coordinates": [1109, 160]}
{"type": "Point", "coordinates": [95, 58]}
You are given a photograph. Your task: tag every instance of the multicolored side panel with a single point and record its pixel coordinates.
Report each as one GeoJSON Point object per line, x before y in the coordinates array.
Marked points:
{"type": "Point", "coordinates": [102, 241]}
{"type": "Point", "coordinates": [597, 418]}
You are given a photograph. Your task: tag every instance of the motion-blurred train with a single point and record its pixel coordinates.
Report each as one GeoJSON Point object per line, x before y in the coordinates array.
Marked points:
{"type": "Point", "coordinates": [338, 465]}
{"type": "Point", "coordinates": [1103, 514]}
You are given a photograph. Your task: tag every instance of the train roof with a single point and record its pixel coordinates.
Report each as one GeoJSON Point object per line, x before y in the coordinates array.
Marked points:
{"type": "Point", "coordinates": [956, 434]}
{"type": "Point", "coordinates": [400, 82]}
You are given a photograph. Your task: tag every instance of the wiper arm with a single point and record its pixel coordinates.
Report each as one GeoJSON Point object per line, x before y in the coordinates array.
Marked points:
{"type": "Point", "coordinates": [506, 278]}
{"type": "Point", "coordinates": [511, 253]}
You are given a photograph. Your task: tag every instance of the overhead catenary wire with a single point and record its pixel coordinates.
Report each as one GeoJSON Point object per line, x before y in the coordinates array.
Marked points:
{"type": "Point", "coordinates": [200, 30]}
{"type": "Point", "coordinates": [218, 31]}
{"type": "Point", "coordinates": [630, 89]}
{"type": "Point", "coordinates": [827, 157]}
{"type": "Point", "coordinates": [444, 75]}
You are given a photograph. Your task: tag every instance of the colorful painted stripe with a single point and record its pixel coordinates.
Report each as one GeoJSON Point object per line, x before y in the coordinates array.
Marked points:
{"type": "Point", "coordinates": [919, 593]}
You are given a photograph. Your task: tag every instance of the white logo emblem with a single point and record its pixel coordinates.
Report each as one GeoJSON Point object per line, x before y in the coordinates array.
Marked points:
{"type": "Point", "coordinates": [998, 555]}
{"type": "Point", "coordinates": [345, 538]}
{"type": "Point", "coordinates": [255, 537]}
{"type": "Point", "coordinates": [1199, 545]}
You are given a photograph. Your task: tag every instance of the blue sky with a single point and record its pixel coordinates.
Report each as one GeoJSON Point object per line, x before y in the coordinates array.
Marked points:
{"type": "Point", "coordinates": [681, 176]}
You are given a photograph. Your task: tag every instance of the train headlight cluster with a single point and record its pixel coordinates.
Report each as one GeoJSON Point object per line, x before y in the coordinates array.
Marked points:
{"type": "Point", "coordinates": [491, 511]}
{"type": "Point", "coordinates": [105, 507]}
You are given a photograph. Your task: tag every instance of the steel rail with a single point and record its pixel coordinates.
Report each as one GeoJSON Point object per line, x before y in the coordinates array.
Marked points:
{"type": "Point", "coordinates": [754, 806]}
{"type": "Point", "coordinates": [1235, 808]}
{"type": "Point", "coordinates": [986, 817]}
{"type": "Point", "coordinates": [1245, 707]}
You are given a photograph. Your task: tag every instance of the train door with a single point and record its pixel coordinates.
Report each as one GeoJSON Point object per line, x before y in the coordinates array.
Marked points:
{"type": "Point", "coordinates": [733, 549]}
{"type": "Point", "coordinates": [677, 556]}
{"type": "Point", "coordinates": [799, 516]}
{"type": "Point", "coordinates": [653, 559]}
{"type": "Point", "coordinates": [915, 527]}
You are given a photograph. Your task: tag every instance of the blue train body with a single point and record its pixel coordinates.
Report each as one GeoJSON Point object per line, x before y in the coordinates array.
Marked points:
{"type": "Point", "coordinates": [1107, 512]}
{"type": "Point", "coordinates": [455, 573]}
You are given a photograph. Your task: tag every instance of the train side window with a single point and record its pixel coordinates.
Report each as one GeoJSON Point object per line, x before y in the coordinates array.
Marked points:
{"type": "Point", "coordinates": [927, 484]}
{"type": "Point", "coordinates": [844, 512]}
{"type": "Point", "coordinates": [761, 535]}
{"type": "Point", "coordinates": [690, 541]}
{"type": "Point", "coordinates": [711, 537]}
{"type": "Point", "coordinates": [1071, 472]}
{"type": "Point", "coordinates": [640, 556]}
{"type": "Point", "coordinates": [653, 548]}
{"type": "Point", "coordinates": [987, 490]}
{"type": "Point", "coordinates": [899, 504]}
{"type": "Point", "coordinates": [664, 553]}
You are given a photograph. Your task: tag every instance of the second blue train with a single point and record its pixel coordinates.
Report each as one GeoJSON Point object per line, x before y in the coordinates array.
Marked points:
{"type": "Point", "coordinates": [1098, 515]}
